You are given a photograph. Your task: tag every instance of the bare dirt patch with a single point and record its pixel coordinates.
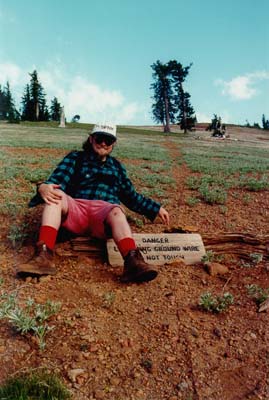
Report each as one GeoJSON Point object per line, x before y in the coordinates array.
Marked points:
{"type": "Point", "coordinates": [151, 341]}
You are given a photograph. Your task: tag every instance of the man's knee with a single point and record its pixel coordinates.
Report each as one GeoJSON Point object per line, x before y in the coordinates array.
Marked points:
{"type": "Point", "coordinates": [61, 204]}
{"type": "Point", "coordinates": [116, 213]}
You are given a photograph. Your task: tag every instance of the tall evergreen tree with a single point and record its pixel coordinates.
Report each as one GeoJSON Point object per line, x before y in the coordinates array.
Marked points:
{"type": "Point", "coordinates": [2, 104]}
{"type": "Point", "coordinates": [34, 100]}
{"type": "Point", "coordinates": [27, 113]}
{"type": "Point", "coordinates": [184, 110]}
{"type": "Point", "coordinates": [38, 98]}
{"type": "Point", "coordinates": [55, 110]}
{"type": "Point", "coordinates": [43, 111]}
{"type": "Point", "coordinates": [162, 108]}
{"type": "Point", "coordinates": [265, 123]}
{"type": "Point", "coordinates": [7, 106]}
{"type": "Point", "coordinates": [171, 102]}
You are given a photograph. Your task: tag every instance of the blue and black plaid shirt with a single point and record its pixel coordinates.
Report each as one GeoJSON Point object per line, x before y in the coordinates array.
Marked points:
{"type": "Point", "coordinates": [98, 180]}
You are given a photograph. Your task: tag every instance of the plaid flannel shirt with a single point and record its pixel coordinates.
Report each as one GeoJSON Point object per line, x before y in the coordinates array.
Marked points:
{"type": "Point", "coordinates": [98, 180]}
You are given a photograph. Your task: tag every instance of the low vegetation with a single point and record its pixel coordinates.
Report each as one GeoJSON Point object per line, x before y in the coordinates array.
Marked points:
{"type": "Point", "coordinates": [215, 304]}
{"type": "Point", "coordinates": [257, 293]}
{"type": "Point", "coordinates": [28, 317]}
{"type": "Point", "coordinates": [216, 171]}
{"type": "Point", "coordinates": [34, 385]}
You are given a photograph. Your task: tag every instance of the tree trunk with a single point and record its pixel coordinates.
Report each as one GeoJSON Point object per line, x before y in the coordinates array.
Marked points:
{"type": "Point", "coordinates": [37, 111]}
{"type": "Point", "coordinates": [167, 118]}
{"type": "Point", "coordinates": [184, 117]}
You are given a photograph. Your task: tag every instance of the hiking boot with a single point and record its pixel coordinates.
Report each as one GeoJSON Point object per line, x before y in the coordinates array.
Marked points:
{"type": "Point", "coordinates": [136, 269]}
{"type": "Point", "coordinates": [41, 264]}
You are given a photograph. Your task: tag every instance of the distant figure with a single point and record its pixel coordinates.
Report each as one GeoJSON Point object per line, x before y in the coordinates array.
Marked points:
{"type": "Point", "coordinates": [217, 127]}
{"type": "Point", "coordinates": [62, 118]}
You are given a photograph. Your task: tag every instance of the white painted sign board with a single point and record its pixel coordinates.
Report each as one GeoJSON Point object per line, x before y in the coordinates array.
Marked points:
{"type": "Point", "coordinates": [162, 248]}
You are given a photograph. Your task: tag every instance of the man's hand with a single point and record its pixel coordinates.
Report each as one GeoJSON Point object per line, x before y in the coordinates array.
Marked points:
{"type": "Point", "coordinates": [50, 193]}
{"type": "Point", "coordinates": [163, 214]}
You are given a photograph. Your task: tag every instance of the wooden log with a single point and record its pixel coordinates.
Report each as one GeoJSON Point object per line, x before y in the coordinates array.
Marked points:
{"type": "Point", "coordinates": [239, 244]}
{"type": "Point", "coordinates": [223, 237]}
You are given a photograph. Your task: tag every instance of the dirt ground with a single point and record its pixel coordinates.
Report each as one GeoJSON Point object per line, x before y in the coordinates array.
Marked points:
{"type": "Point", "coordinates": [150, 341]}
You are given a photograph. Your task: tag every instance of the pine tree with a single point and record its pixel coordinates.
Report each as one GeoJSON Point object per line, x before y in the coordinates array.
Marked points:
{"type": "Point", "coordinates": [184, 111]}
{"type": "Point", "coordinates": [55, 110]}
{"type": "Point", "coordinates": [2, 104]}
{"type": "Point", "coordinates": [171, 102]}
{"type": "Point", "coordinates": [38, 97]}
{"type": "Point", "coordinates": [27, 113]}
{"type": "Point", "coordinates": [7, 106]}
{"type": "Point", "coordinates": [34, 107]}
{"type": "Point", "coordinates": [265, 123]}
{"type": "Point", "coordinates": [162, 108]}
{"type": "Point", "coordinates": [43, 111]}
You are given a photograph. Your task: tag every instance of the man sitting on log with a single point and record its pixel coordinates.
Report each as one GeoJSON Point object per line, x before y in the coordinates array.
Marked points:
{"type": "Point", "coordinates": [83, 195]}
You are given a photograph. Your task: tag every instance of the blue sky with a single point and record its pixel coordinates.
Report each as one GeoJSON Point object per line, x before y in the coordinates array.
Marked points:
{"type": "Point", "coordinates": [95, 56]}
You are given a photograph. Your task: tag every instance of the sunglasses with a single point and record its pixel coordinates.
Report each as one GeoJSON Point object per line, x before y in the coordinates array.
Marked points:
{"type": "Point", "coordinates": [104, 138]}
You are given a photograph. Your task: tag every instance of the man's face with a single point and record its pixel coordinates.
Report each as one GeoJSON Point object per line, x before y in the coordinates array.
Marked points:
{"type": "Point", "coordinates": [102, 145]}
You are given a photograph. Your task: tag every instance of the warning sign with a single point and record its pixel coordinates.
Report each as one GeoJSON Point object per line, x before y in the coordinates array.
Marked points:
{"type": "Point", "coordinates": [159, 249]}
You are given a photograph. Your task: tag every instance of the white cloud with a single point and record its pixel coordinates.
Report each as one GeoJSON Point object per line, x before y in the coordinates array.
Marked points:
{"type": "Point", "coordinates": [77, 94]}
{"type": "Point", "coordinates": [243, 87]}
{"type": "Point", "coordinates": [224, 114]}
{"type": "Point", "coordinates": [202, 117]}
{"type": "Point", "coordinates": [10, 72]}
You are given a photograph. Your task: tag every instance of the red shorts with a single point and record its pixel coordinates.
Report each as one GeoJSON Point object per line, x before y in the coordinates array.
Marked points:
{"type": "Point", "coordinates": [87, 217]}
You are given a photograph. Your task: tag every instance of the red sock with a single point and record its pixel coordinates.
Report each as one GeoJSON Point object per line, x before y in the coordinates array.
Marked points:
{"type": "Point", "coordinates": [125, 245]}
{"type": "Point", "coordinates": [48, 235]}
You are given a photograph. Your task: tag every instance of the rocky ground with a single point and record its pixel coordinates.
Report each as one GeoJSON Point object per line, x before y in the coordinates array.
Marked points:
{"type": "Point", "coordinates": [150, 341]}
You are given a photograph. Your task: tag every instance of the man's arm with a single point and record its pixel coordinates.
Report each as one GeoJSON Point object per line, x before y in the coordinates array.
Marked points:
{"type": "Point", "coordinates": [140, 203]}
{"type": "Point", "coordinates": [63, 172]}
{"type": "Point", "coordinates": [50, 193]}
{"type": "Point", "coordinates": [59, 179]}
{"type": "Point", "coordinates": [163, 214]}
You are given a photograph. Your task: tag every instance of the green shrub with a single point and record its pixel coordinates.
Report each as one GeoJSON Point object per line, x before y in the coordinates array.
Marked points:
{"type": "Point", "coordinates": [254, 184]}
{"type": "Point", "coordinates": [192, 201]}
{"type": "Point", "coordinates": [257, 293]}
{"type": "Point", "coordinates": [30, 317]}
{"type": "Point", "coordinates": [193, 182]}
{"type": "Point", "coordinates": [34, 385]}
{"type": "Point", "coordinates": [208, 257]}
{"type": "Point", "coordinates": [215, 304]}
{"type": "Point", "coordinates": [17, 234]}
{"type": "Point", "coordinates": [212, 195]}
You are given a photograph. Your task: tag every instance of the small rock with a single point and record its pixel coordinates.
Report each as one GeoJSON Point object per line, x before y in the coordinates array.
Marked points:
{"type": "Point", "coordinates": [214, 269]}
{"type": "Point", "coordinates": [93, 348]}
{"type": "Point", "coordinates": [46, 278]}
{"type": "Point", "coordinates": [181, 386]}
{"type": "Point", "coordinates": [99, 394]}
{"type": "Point", "coordinates": [74, 373]}
{"type": "Point", "coordinates": [170, 358]}
{"type": "Point", "coordinates": [115, 381]}
{"type": "Point", "coordinates": [217, 332]}
{"type": "Point", "coordinates": [140, 395]}
{"type": "Point", "coordinates": [194, 332]}
{"type": "Point", "coordinates": [264, 305]}
{"type": "Point", "coordinates": [147, 364]}
{"type": "Point", "coordinates": [89, 338]}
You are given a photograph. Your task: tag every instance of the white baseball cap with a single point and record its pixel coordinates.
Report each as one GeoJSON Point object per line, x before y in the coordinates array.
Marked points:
{"type": "Point", "coordinates": [105, 129]}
